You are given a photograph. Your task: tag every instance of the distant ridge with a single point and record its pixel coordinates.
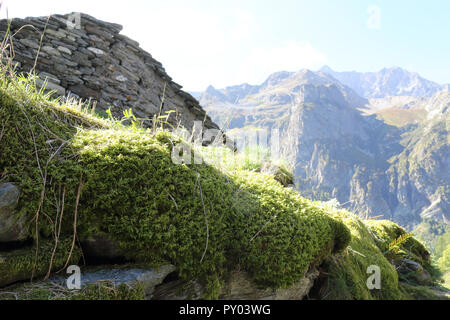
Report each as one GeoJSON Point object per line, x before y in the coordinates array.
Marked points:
{"type": "Point", "coordinates": [393, 81]}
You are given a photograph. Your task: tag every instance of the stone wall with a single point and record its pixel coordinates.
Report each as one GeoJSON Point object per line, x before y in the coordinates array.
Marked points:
{"type": "Point", "coordinates": [82, 56]}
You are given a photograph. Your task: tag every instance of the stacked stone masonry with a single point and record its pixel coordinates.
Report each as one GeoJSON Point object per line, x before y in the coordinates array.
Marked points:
{"type": "Point", "coordinates": [88, 58]}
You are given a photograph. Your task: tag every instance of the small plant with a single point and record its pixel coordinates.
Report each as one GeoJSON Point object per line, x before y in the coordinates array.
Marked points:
{"type": "Point", "coordinates": [129, 116]}
{"type": "Point", "coordinates": [395, 245]}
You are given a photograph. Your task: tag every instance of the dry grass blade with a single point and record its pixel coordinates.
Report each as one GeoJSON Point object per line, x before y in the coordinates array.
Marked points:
{"type": "Point", "coordinates": [77, 201]}
{"type": "Point", "coordinates": [60, 212]}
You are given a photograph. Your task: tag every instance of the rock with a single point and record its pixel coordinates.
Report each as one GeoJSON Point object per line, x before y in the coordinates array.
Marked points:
{"type": "Point", "coordinates": [100, 246]}
{"type": "Point", "coordinates": [422, 277]}
{"type": "Point", "coordinates": [51, 50]}
{"type": "Point", "coordinates": [413, 270]}
{"type": "Point", "coordinates": [11, 227]}
{"type": "Point", "coordinates": [147, 278]}
{"type": "Point", "coordinates": [238, 287]}
{"type": "Point", "coordinates": [98, 52]}
{"type": "Point", "coordinates": [95, 61]}
{"type": "Point", "coordinates": [30, 43]}
{"type": "Point", "coordinates": [121, 78]}
{"type": "Point", "coordinates": [49, 77]}
{"type": "Point", "coordinates": [179, 290]}
{"type": "Point", "coordinates": [99, 32]}
{"type": "Point", "coordinates": [57, 34]}
{"type": "Point", "coordinates": [20, 264]}
{"type": "Point", "coordinates": [51, 86]}
{"type": "Point", "coordinates": [64, 50]}
{"type": "Point", "coordinates": [85, 92]}
{"type": "Point", "coordinates": [406, 265]}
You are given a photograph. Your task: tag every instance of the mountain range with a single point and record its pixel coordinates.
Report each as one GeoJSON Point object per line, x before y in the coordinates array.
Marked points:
{"type": "Point", "coordinates": [377, 142]}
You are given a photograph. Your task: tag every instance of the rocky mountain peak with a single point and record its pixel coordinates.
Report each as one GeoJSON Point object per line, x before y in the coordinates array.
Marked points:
{"type": "Point", "coordinates": [394, 81]}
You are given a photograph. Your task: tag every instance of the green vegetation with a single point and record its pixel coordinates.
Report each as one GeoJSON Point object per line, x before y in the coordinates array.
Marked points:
{"type": "Point", "coordinates": [80, 174]}
{"type": "Point", "coordinates": [401, 117]}
{"type": "Point", "coordinates": [348, 270]}
{"type": "Point", "coordinates": [444, 265]}
{"type": "Point", "coordinates": [25, 263]}
{"type": "Point", "coordinates": [57, 291]}
{"type": "Point", "coordinates": [436, 235]}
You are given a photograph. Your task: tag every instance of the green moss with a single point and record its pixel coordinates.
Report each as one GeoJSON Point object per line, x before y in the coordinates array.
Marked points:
{"type": "Point", "coordinates": [387, 232]}
{"type": "Point", "coordinates": [20, 265]}
{"type": "Point", "coordinates": [205, 220]}
{"type": "Point", "coordinates": [109, 291]}
{"type": "Point", "coordinates": [283, 232]}
{"type": "Point", "coordinates": [348, 271]}
{"type": "Point", "coordinates": [199, 218]}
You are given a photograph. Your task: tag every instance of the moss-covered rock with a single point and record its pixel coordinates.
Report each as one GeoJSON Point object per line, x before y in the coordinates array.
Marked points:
{"type": "Point", "coordinates": [12, 228]}
{"type": "Point", "coordinates": [82, 174]}
{"type": "Point", "coordinates": [395, 242]}
{"type": "Point", "coordinates": [27, 263]}
{"type": "Point", "coordinates": [348, 271]}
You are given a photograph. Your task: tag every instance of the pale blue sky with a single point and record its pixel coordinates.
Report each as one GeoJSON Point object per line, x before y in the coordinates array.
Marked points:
{"type": "Point", "coordinates": [231, 42]}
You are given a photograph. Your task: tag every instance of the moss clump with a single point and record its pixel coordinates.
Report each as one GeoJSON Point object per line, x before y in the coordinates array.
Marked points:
{"type": "Point", "coordinates": [122, 181]}
{"type": "Point", "coordinates": [379, 243]}
{"type": "Point", "coordinates": [388, 233]}
{"type": "Point", "coordinates": [19, 265]}
{"type": "Point", "coordinates": [283, 233]}
{"type": "Point", "coordinates": [348, 271]}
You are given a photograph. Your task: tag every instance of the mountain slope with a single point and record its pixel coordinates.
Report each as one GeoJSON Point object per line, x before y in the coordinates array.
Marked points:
{"type": "Point", "coordinates": [339, 151]}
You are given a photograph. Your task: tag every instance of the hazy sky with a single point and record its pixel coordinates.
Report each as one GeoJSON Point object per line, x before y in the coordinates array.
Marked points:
{"type": "Point", "coordinates": [231, 42]}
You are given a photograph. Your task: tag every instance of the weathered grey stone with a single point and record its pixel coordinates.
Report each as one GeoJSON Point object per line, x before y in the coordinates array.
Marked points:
{"type": "Point", "coordinates": [100, 246]}
{"type": "Point", "coordinates": [57, 43]}
{"type": "Point", "coordinates": [97, 51]}
{"type": "Point", "coordinates": [49, 77]}
{"type": "Point", "coordinates": [95, 61]}
{"type": "Point", "coordinates": [56, 33]}
{"type": "Point", "coordinates": [147, 278]}
{"type": "Point", "coordinates": [51, 86]}
{"type": "Point", "coordinates": [73, 80]}
{"type": "Point", "coordinates": [99, 31]}
{"type": "Point", "coordinates": [65, 50]}
{"type": "Point", "coordinates": [85, 92]}
{"type": "Point", "coordinates": [82, 42]}
{"type": "Point", "coordinates": [12, 228]}
{"type": "Point", "coordinates": [413, 270]}
{"type": "Point", "coordinates": [30, 43]}
{"type": "Point", "coordinates": [127, 40]}
{"type": "Point", "coordinates": [238, 287]}
{"type": "Point", "coordinates": [64, 61]}
{"type": "Point", "coordinates": [121, 78]}
{"type": "Point", "coordinates": [51, 50]}
{"type": "Point", "coordinates": [114, 27]}
{"type": "Point", "coordinates": [81, 59]}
